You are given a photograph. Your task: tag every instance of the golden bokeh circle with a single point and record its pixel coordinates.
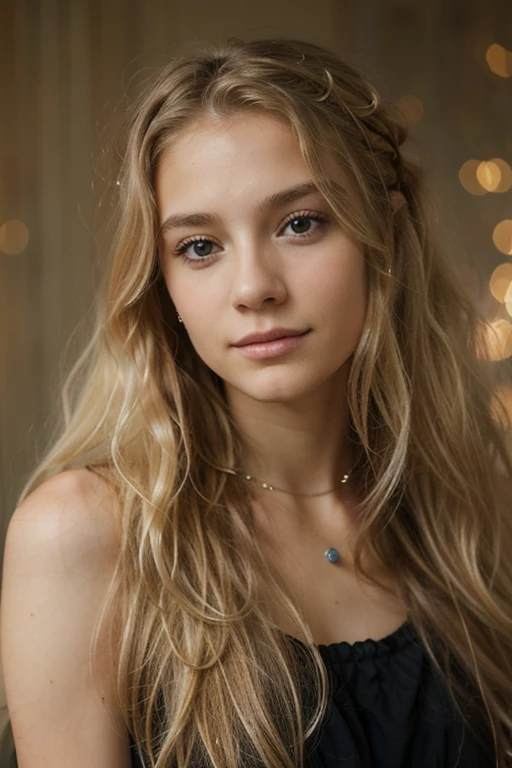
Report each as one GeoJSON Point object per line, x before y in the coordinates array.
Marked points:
{"type": "Point", "coordinates": [14, 237]}
{"type": "Point", "coordinates": [505, 183]}
{"type": "Point", "coordinates": [488, 175]}
{"type": "Point", "coordinates": [468, 177]}
{"type": "Point", "coordinates": [499, 283]}
{"type": "Point", "coordinates": [499, 60]}
{"type": "Point", "coordinates": [502, 236]}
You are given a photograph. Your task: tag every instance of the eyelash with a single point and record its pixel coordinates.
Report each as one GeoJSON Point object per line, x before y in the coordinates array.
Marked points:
{"type": "Point", "coordinates": [180, 250]}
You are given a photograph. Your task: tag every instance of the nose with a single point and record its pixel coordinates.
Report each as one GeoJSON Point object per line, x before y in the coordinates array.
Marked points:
{"type": "Point", "coordinates": [258, 276]}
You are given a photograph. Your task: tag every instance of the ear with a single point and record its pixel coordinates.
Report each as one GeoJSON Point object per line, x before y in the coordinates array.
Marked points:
{"type": "Point", "coordinates": [397, 200]}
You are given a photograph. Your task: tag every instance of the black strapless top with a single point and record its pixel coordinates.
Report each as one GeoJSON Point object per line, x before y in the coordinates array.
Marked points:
{"type": "Point", "coordinates": [388, 709]}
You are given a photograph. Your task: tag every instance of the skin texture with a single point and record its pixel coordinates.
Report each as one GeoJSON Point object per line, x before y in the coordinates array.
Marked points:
{"type": "Point", "coordinates": [292, 408]}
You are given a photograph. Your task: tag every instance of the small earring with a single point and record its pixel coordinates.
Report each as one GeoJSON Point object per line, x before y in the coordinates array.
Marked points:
{"type": "Point", "coordinates": [179, 317]}
{"type": "Point", "coordinates": [389, 271]}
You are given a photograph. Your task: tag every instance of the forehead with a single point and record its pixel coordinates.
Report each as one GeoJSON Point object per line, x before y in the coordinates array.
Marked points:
{"type": "Point", "coordinates": [220, 140]}
{"type": "Point", "coordinates": [216, 159]}
{"type": "Point", "coordinates": [217, 163]}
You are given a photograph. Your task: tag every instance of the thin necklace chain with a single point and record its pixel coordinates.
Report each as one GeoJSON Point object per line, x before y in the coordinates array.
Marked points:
{"type": "Point", "coordinates": [269, 487]}
{"type": "Point", "coordinates": [332, 554]}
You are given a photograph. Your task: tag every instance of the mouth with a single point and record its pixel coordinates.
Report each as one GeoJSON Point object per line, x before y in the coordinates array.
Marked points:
{"type": "Point", "coordinates": [271, 335]}
{"type": "Point", "coordinates": [273, 348]}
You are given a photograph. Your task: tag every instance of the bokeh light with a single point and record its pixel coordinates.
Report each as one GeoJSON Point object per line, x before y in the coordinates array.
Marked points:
{"type": "Point", "coordinates": [488, 175]}
{"type": "Point", "coordinates": [499, 60]}
{"type": "Point", "coordinates": [506, 174]}
{"type": "Point", "coordinates": [502, 236]}
{"type": "Point", "coordinates": [468, 177]}
{"type": "Point", "coordinates": [499, 283]}
{"type": "Point", "coordinates": [508, 299]}
{"type": "Point", "coordinates": [499, 337]}
{"type": "Point", "coordinates": [14, 237]}
{"type": "Point", "coordinates": [411, 107]}
{"type": "Point", "coordinates": [478, 177]}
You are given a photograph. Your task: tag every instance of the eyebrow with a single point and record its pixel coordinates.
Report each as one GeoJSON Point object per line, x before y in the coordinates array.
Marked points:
{"type": "Point", "coordinates": [276, 200]}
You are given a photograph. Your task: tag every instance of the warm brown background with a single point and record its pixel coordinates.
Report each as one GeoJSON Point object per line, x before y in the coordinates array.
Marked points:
{"type": "Point", "coordinates": [65, 70]}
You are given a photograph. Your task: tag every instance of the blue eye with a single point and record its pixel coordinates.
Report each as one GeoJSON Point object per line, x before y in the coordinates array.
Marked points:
{"type": "Point", "coordinates": [202, 245]}
{"type": "Point", "coordinates": [199, 246]}
{"type": "Point", "coordinates": [196, 242]}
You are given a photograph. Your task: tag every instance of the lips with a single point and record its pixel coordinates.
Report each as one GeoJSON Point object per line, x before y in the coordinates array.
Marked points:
{"type": "Point", "coordinates": [271, 335]}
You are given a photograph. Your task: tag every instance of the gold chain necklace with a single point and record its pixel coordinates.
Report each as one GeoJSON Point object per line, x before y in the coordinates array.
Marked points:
{"type": "Point", "coordinates": [332, 553]}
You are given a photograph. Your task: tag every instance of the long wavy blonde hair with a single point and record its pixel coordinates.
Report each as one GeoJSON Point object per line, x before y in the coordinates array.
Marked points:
{"type": "Point", "coordinates": [144, 411]}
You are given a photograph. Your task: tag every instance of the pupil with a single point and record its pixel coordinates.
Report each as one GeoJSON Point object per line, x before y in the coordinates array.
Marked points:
{"type": "Point", "coordinates": [200, 246]}
{"type": "Point", "coordinates": [305, 223]}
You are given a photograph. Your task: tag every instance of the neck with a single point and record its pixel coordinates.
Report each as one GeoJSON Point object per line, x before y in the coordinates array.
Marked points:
{"type": "Point", "coordinates": [300, 446]}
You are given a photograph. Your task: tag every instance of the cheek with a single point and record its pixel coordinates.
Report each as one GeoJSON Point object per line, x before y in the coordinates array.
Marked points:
{"type": "Point", "coordinates": [342, 296]}
{"type": "Point", "coordinates": [194, 301]}
{"type": "Point", "coordinates": [201, 312]}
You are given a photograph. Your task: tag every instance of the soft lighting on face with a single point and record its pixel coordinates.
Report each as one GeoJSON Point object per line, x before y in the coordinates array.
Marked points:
{"type": "Point", "coordinates": [14, 237]}
{"type": "Point", "coordinates": [502, 236]}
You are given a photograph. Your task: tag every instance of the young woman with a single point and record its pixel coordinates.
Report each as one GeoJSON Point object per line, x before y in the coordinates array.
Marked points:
{"type": "Point", "coordinates": [275, 527]}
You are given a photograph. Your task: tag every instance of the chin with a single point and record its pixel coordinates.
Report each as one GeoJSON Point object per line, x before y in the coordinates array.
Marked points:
{"type": "Point", "coordinates": [272, 389]}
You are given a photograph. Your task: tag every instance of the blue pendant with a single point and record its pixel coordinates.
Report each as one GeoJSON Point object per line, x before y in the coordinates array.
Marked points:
{"type": "Point", "coordinates": [332, 555]}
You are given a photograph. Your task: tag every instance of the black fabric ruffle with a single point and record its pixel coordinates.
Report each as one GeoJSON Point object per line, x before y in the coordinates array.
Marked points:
{"type": "Point", "coordinates": [388, 708]}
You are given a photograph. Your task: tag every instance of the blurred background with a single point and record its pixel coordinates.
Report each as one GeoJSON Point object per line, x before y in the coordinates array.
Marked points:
{"type": "Point", "coordinates": [67, 69]}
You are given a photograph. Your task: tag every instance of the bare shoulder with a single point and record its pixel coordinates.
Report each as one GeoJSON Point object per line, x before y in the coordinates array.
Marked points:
{"type": "Point", "coordinates": [76, 496]}
{"type": "Point", "coordinates": [76, 512]}
{"type": "Point", "coordinates": [60, 551]}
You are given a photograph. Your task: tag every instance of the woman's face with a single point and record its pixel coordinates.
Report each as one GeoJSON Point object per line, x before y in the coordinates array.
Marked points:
{"type": "Point", "coordinates": [257, 255]}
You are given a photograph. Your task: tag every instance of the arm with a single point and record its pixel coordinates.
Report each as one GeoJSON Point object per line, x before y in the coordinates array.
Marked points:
{"type": "Point", "coordinates": [60, 550]}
